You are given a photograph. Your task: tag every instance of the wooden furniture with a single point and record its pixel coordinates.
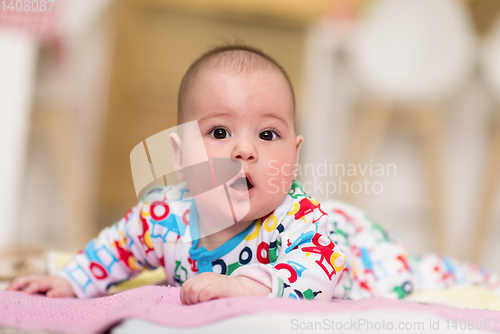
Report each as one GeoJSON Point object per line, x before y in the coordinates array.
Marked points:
{"type": "Point", "coordinates": [426, 122]}
{"type": "Point", "coordinates": [488, 198]}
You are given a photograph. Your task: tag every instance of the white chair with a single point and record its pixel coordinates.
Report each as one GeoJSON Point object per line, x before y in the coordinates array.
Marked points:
{"type": "Point", "coordinates": [17, 72]}
{"type": "Point", "coordinates": [63, 107]}
{"type": "Point", "coordinates": [411, 55]}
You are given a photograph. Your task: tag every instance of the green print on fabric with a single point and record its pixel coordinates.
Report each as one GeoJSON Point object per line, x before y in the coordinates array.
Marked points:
{"type": "Point", "coordinates": [340, 232]}
{"type": "Point", "coordinates": [339, 235]}
{"type": "Point", "coordinates": [308, 294]}
{"type": "Point", "coordinates": [273, 252]}
{"type": "Point", "coordinates": [403, 290]}
{"type": "Point", "coordinates": [177, 277]}
{"type": "Point", "coordinates": [281, 287]}
{"type": "Point", "coordinates": [399, 290]}
{"type": "Point", "coordinates": [232, 267]}
{"type": "Point", "coordinates": [293, 189]}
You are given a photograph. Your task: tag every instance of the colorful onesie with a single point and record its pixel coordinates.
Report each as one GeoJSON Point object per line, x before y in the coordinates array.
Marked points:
{"type": "Point", "coordinates": [300, 250]}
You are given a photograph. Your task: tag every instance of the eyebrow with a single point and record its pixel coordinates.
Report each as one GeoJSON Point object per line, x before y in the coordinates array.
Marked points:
{"type": "Point", "coordinates": [277, 117]}
{"type": "Point", "coordinates": [229, 114]}
{"type": "Point", "coordinates": [214, 115]}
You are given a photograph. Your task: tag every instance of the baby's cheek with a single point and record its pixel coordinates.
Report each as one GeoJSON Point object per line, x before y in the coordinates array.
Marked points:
{"type": "Point", "coordinates": [288, 171]}
{"type": "Point", "coordinates": [279, 176]}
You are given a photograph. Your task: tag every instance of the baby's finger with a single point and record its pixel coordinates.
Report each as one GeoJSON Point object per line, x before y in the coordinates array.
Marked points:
{"type": "Point", "coordinates": [212, 291]}
{"type": "Point", "coordinates": [190, 294]}
{"type": "Point", "coordinates": [185, 290]}
{"type": "Point", "coordinates": [181, 295]}
{"type": "Point", "coordinates": [37, 286]}
{"type": "Point", "coordinates": [20, 282]}
{"type": "Point", "coordinates": [54, 293]}
{"type": "Point", "coordinates": [185, 294]}
{"type": "Point", "coordinates": [58, 293]}
{"type": "Point", "coordinates": [195, 289]}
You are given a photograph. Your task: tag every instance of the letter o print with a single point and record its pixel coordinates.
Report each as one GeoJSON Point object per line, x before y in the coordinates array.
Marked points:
{"type": "Point", "coordinates": [159, 210]}
{"type": "Point", "coordinates": [263, 247]}
{"type": "Point", "coordinates": [98, 270]}
{"type": "Point", "coordinates": [184, 217]}
{"type": "Point", "coordinates": [272, 227]}
{"type": "Point", "coordinates": [248, 257]}
{"type": "Point", "coordinates": [407, 287]}
{"type": "Point", "coordinates": [222, 264]}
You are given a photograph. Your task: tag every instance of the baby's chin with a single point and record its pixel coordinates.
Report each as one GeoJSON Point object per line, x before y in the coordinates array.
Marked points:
{"type": "Point", "coordinates": [263, 209]}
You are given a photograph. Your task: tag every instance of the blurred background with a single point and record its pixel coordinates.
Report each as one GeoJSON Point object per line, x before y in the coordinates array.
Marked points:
{"type": "Point", "coordinates": [408, 88]}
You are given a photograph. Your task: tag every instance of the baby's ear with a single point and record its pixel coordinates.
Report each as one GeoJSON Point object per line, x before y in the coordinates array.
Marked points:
{"type": "Point", "coordinates": [176, 143]}
{"type": "Point", "coordinates": [298, 143]}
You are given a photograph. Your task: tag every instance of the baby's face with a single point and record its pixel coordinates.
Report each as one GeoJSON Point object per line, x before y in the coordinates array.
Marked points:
{"type": "Point", "coordinates": [249, 117]}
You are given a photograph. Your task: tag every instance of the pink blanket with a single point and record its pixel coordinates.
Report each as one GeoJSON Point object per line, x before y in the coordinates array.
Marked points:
{"type": "Point", "coordinates": [161, 305]}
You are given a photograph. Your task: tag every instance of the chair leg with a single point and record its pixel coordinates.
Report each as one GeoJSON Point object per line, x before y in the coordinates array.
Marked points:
{"type": "Point", "coordinates": [370, 132]}
{"type": "Point", "coordinates": [486, 199]}
{"type": "Point", "coordinates": [430, 126]}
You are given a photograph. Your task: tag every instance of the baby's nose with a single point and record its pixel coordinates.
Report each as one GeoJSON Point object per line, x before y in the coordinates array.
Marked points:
{"type": "Point", "coordinates": [245, 151]}
{"type": "Point", "coordinates": [245, 156]}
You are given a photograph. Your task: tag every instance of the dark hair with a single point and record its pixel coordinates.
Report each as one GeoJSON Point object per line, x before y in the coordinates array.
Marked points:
{"type": "Point", "coordinates": [230, 57]}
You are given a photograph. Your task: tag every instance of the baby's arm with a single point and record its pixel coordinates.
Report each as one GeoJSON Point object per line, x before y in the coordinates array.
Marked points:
{"type": "Point", "coordinates": [52, 286]}
{"type": "Point", "coordinates": [309, 263]}
{"type": "Point", "coordinates": [117, 254]}
{"type": "Point", "coordinates": [207, 286]}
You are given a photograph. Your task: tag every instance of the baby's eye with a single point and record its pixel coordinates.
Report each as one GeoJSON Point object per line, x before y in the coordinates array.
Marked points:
{"type": "Point", "coordinates": [220, 133]}
{"type": "Point", "coordinates": [268, 135]}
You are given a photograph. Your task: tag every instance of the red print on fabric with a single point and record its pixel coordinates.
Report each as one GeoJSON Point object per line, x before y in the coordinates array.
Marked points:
{"type": "Point", "coordinates": [185, 219]}
{"type": "Point", "coordinates": [263, 247]}
{"type": "Point", "coordinates": [98, 270]}
{"type": "Point", "coordinates": [194, 265]}
{"type": "Point", "coordinates": [405, 263]}
{"type": "Point", "coordinates": [142, 237]}
{"type": "Point", "coordinates": [350, 219]}
{"type": "Point", "coordinates": [305, 207]}
{"type": "Point", "coordinates": [127, 215]}
{"type": "Point", "coordinates": [326, 253]}
{"type": "Point", "coordinates": [123, 254]}
{"type": "Point", "coordinates": [289, 268]}
{"type": "Point", "coordinates": [163, 211]}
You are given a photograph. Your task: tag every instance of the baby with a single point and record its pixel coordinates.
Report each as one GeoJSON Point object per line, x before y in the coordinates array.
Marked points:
{"type": "Point", "coordinates": [286, 245]}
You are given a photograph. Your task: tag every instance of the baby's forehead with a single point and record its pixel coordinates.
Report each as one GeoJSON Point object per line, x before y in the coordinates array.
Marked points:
{"type": "Point", "coordinates": [258, 84]}
{"type": "Point", "coordinates": [225, 66]}
{"type": "Point", "coordinates": [216, 73]}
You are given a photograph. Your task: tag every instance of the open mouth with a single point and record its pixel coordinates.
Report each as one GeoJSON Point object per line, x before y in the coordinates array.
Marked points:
{"type": "Point", "coordinates": [242, 184]}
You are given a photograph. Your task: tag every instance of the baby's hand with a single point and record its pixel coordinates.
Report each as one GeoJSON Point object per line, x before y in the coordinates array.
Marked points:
{"type": "Point", "coordinates": [52, 286]}
{"type": "Point", "coordinates": [207, 286]}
